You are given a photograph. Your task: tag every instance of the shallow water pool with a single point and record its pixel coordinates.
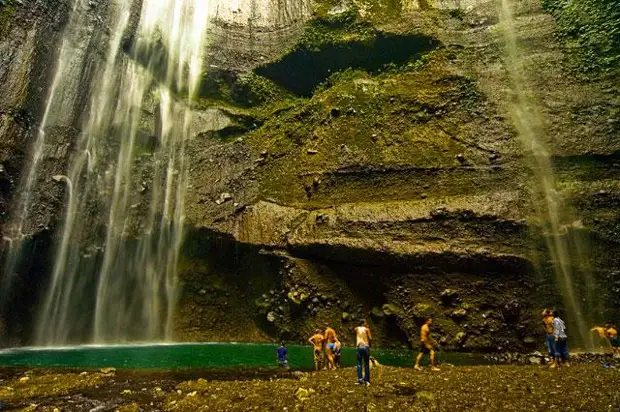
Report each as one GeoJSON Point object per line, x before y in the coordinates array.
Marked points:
{"type": "Point", "coordinates": [199, 356]}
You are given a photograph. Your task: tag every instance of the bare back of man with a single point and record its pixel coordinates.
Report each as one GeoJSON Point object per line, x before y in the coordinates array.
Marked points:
{"type": "Point", "coordinates": [363, 340]}
{"type": "Point", "coordinates": [317, 342]}
{"type": "Point", "coordinates": [362, 336]}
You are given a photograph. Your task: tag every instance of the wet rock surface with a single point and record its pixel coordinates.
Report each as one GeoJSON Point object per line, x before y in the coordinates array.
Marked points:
{"type": "Point", "coordinates": [415, 170]}
{"type": "Point", "coordinates": [481, 388]}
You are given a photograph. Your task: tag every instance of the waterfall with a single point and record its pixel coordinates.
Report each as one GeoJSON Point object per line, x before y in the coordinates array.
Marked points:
{"type": "Point", "coordinates": [566, 248]}
{"type": "Point", "coordinates": [58, 111]}
{"type": "Point", "coordinates": [115, 269]}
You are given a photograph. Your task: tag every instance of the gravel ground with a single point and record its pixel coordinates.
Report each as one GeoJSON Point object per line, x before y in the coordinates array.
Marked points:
{"type": "Point", "coordinates": [481, 388]}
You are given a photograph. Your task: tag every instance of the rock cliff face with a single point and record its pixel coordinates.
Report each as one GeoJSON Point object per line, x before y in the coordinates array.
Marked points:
{"type": "Point", "coordinates": [398, 188]}
{"type": "Point", "coordinates": [358, 159]}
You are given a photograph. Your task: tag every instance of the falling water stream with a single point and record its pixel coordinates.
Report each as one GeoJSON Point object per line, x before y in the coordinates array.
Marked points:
{"type": "Point", "coordinates": [132, 200]}
{"type": "Point", "coordinates": [563, 242]}
{"type": "Point", "coordinates": [57, 112]}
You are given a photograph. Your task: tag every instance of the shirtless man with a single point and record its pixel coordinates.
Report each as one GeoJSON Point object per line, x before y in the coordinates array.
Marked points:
{"type": "Point", "coordinates": [316, 341]}
{"type": "Point", "coordinates": [427, 345]}
{"type": "Point", "coordinates": [330, 347]}
{"type": "Point", "coordinates": [612, 335]}
{"type": "Point", "coordinates": [362, 341]}
{"type": "Point", "coordinates": [609, 333]}
{"type": "Point", "coordinates": [547, 321]}
{"type": "Point", "coordinates": [602, 334]}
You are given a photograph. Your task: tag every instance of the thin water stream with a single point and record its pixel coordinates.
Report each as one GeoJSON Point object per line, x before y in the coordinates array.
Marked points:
{"type": "Point", "coordinates": [563, 242]}
{"type": "Point", "coordinates": [58, 111]}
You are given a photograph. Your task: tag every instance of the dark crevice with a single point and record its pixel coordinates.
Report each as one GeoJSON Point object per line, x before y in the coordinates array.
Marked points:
{"type": "Point", "coordinates": [302, 70]}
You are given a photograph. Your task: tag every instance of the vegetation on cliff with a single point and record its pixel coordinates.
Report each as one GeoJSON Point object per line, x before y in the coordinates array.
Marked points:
{"type": "Point", "coordinates": [595, 26]}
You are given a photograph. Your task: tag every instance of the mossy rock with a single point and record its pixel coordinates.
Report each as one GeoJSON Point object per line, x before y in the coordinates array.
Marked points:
{"type": "Point", "coordinates": [390, 310]}
{"type": "Point", "coordinates": [422, 310]}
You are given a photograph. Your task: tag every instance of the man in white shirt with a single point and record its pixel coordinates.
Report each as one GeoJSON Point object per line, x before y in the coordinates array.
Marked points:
{"type": "Point", "coordinates": [559, 335]}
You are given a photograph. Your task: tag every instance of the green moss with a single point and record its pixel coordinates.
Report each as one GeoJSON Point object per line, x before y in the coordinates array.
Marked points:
{"type": "Point", "coordinates": [48, 385]}
{"type": "Point", "coordinates": [409, 117]}
{"type": "Point", "coordinates": [7, 13]}
{"type": "Point", "coordinates": [595, 26]}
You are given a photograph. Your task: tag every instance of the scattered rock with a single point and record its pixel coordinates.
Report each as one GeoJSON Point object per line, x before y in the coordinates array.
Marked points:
{"type": "Point", "coordinates": [458, 314]}
{"type": "Point", "coordinates": [312, 151]}
{"type": "Point", "coordinates": [460, 338]}
{"type": "Point", "coordinates": [425, 396]}
{"type": "Point", "coordinates": [224, 197]}
{"type": "Point", "coordinates": [298, 374]}
{"type": "Point", "coordinates": [24, 379]}
{"type": "Point", "coordinates": [422, 310]}
{"type": "Point", "coordinates": [322, 218]}
{"type": "Point", "coordinates": [302, 393]}
{"type": "Point", "coordinates": [449, 297]}
{"type": "Point", "coordinates": [108, 371]}
{"type": "Point", "coordinates": [535, 360]}
{"type": "Point", "coordinates": [271, 317]}
{"type": "Point", "coordinates": [390, 310]}
{"type": "Point", "coordinates": [377, 312]}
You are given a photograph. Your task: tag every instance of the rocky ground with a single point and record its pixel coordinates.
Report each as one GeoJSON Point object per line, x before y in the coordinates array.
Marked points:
{"type": "Point", "coordinates": [589, 387]}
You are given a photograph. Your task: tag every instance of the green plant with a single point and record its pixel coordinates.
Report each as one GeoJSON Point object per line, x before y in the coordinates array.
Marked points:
{"type": "Point", "coordinates": [595, 25]}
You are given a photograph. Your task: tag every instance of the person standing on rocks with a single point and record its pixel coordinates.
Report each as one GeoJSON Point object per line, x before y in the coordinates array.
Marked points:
{"type": "Point", "coordinates": [330, 346]}
{"type": "Point", "coordinates": [282, 358]}
{"type": "Point", "coordinates": [316, 341]}
{"type": "Point", "coordinates": [547, 321]}
{"type": "Point", "coordinates": [560, 341]}
{"type": "Point", "coordinates": [427, 345]}
{"type": "Point", "coordinates": [363, 341]}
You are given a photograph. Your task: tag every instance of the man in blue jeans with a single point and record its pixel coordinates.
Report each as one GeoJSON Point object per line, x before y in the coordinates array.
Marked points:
{"type": "Point", "coordinates": [561, 346]}
{"type": "Point", "coordinates": [363, 340]}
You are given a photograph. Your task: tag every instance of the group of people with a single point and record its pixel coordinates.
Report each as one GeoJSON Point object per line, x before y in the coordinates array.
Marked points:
{"type": "Point", "coordinates": [556, 337]}
{"type": "Point", "coordinates": [326, 348]}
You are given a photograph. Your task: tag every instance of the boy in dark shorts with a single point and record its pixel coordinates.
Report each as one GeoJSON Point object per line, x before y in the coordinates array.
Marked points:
{"type": "Point", "coordinates": [427, 345]}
